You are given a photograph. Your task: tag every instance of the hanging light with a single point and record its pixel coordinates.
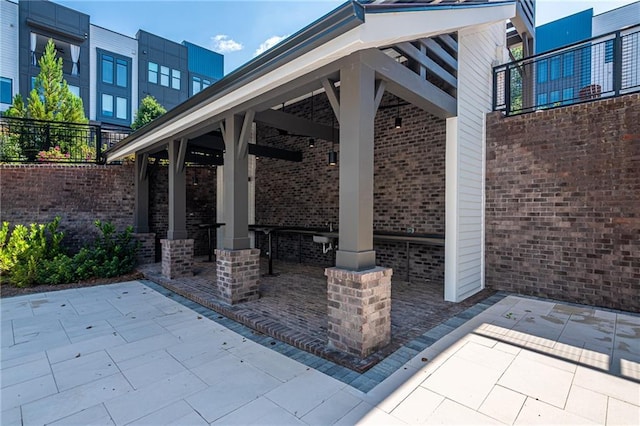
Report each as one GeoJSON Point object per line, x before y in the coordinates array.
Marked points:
{"type": "Point", "coordinates": [398, 121]}
{"type": "Point", "coordinates": [312, 141]}
{"type": "Point", "coordinates": [333, 155]}
{"type": "Point", "coordinates": [194, 180]}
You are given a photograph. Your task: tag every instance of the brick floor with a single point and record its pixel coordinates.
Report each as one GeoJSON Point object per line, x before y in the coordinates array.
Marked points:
{"type": "Point", "coordinates": [293, 307]}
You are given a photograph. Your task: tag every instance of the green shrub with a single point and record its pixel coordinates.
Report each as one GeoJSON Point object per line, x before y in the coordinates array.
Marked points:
{"type": "Point", "coordinates": [24, 250]}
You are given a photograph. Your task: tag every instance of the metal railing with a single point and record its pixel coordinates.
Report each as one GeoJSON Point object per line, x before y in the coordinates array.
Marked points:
{"type": "Point", "coordinates": [600, 67]}
{"type": "Point", "coordinates": [36, 141]}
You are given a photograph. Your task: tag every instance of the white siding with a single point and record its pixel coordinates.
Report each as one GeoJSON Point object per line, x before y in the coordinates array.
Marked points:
{"type": "Point", "coordinates": [464, 239]}
{"type": "Point", "coordinates": [117, 43]}
{"type": "Point", "coordinates": [9, 45]}
{"type": "Point", "coordinates": [616, 19]}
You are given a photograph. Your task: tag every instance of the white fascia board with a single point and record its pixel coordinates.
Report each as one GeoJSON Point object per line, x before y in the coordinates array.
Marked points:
{"type": "Point", "coordinates": [379, 30]}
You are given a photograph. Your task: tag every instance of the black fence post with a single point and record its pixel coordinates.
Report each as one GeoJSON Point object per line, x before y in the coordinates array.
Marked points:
{"type": "Point", "coordinates": [507, 90]}
{"type": "Point", "coordinates": [617, 64]}
{"type": "Point", "coordinates": [99, 145]}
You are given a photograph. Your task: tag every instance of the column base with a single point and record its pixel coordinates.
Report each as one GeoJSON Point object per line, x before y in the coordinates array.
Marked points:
{"type": "Point", "coordinates": [177, 258]}
{"type": "Point", "coordinates": [238, 273]}
{"type": "Point", "coordinates": [359, 310]}
{"type": "Point", "coordinates": [147, 249]}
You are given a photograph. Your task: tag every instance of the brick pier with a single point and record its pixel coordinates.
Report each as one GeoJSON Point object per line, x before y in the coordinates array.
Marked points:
{"type": "Point", "coordinates": [177, 258]}
{"type": "Point", "coordinates": [238, 273]}
{"type": "Point", "coordinates": [359, 310]}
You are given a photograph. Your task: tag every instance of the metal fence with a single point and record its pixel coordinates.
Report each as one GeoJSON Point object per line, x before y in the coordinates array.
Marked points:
{"type": "Point", "coordinates": [601, 67]}
{"type": "Point", "coordinates": [36, 141]}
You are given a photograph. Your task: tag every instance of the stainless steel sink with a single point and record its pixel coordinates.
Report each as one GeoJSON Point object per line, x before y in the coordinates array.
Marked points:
{"type": "Point", "coordinates": [322, 239]}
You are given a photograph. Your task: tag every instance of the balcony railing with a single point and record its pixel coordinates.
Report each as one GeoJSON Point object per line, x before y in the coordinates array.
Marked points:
{"type": "Point", "coordinates": [601, 67]}
{"type": "Point", "coordinates": [36, 141]}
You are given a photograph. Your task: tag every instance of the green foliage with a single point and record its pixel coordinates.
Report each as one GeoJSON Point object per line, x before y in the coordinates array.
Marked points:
{"type": "Point", "coordinates": [34, 255]}
{"type": "Point", "coordinates": [24, 250]}
{"type": "Point", "coordinates": [149, 110]}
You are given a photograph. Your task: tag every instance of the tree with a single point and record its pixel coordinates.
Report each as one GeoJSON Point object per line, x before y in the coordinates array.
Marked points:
{"type": "Point", "coordinates": [149, 110]}
{"type": "Point", "coordinates": [50, 99]}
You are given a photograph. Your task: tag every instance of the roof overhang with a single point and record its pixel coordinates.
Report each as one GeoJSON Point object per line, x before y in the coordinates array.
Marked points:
{"type": "Point", "coordinates": [297, 65]}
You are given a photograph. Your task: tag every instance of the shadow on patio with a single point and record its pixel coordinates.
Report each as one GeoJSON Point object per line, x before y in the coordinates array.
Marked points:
{"type": "Point", "coordinates": [293, 307]}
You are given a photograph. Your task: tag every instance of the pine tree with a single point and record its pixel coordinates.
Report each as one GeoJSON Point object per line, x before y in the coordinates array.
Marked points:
{"type": "Point", "coordinates": [149, 110]}
{"type": "Point", "coordinates": [50, 98]}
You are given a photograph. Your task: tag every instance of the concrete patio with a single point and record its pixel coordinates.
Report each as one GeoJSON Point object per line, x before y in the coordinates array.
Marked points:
{"type": "Point", "coordinates": [128, 354]}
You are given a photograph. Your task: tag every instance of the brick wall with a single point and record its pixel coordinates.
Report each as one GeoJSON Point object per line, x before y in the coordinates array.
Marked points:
{"type": "Point", "coordinates": [78, 194]}
{"type": "Point", "coordinates": [563, 203]}
{"type": "Point", "coordinates": [201, 205]}
{"type": "Point", "coordinates": [409, 186]}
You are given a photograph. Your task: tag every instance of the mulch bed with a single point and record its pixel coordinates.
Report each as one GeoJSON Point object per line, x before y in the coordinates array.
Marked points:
{"type": "Point", "coordinates": [7, 290]}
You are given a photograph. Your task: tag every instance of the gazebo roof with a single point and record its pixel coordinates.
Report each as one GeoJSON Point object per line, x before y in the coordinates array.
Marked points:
{"type": "Point", "coordinates": [297, 65]}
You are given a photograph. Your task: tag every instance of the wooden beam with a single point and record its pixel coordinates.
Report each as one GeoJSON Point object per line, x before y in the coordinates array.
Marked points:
{"type": "Point", "coordinates": [415, 54]}
{"type": "Point", "coordinates": [409, 86]}
{"type": "Point", "coordinates": [332, 94]}
{"type": "Point", "coordinates": [143, 167]}
{"type": "Point", "coordinates": [437, 50]}
{"type": "Point", "coordinates": [182, 152]}
{"type": "Point", "coordinates": [379, 92]}
{"type": "Point", "coordinates": [270, 152]}
{"type": "Point", "coordinates": [243, 141]}
{"type": "Point", "coordinates": [291, 123]}
{"type": "Point", "coordinates": [449, 41]}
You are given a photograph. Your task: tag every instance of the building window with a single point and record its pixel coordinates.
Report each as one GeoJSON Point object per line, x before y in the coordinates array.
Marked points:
{"type": "Point", "coordinates": [153, 73]}
{"type": "Point", "coordinates": [107, 69]}
{"type": "Point", "coordinates": [542, 71]}
{"type": "Point", "coordinates": [205, 84]}
{"type": "Point", "coordinates": [555, 68]}
{"type": "Point", "coordinates": [75, 90]}
{"type": "Point", "coordinates": [107, 105]}
{"type": "Point", "coordinates": [164, 76]}
{"type": "Point", "coordinates": [175, 79]}
{"type": "Point", "coordinates": [567, 65]}
{"type": "Point", "coordinates": [122, 72]}
{"type": "Point", "coordinates": [121, 108]}
{"type": "Point", "coordinates": [6, 90]}
{"type": "Point", "coordinates": [196, 85]}
{"type": "Point", "coordinates": [554, 96]}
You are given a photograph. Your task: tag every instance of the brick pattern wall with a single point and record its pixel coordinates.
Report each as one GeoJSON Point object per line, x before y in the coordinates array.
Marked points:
{"type": "Point", "coordinates": [358, 310]}
{"type": "Point", "coordinates": [238, 273]}
{"type": "Point", "coordinates": [177, 258]}
{"type": "Point", "coordinates": [78, 194]}
{"type": "Point", "coordinates": [146, 249]}
{"type": "Point", "coordinates": [201, 204]}
{"type": "Point", "coordinates": [563, 203]}
{"type": "Point", "coordinates": [409, 186]}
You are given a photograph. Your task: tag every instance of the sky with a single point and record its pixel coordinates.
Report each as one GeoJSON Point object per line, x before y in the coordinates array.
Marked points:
{"type": "Point", "coordinates": [241, 29]}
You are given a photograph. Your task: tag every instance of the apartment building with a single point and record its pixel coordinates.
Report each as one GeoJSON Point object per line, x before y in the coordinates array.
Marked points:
{"type": "Point", "coordinates": [110, 71]}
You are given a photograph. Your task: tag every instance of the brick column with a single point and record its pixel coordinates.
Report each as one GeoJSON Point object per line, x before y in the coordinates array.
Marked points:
{"type": "Point", "coordinates": [238, 272]}
{"type": "Point", "coordinates": [147, 249]}
{"type": "Point", "coordinates": [177, 258]}
{"type": "Point", "coordinates": [359, 310]}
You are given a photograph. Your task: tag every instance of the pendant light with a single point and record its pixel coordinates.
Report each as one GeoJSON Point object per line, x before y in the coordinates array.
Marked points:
{"type": "Point", "coordinates": [398, 121]}
{"type": "Point", "coordinates": [333, 155]}
{"type": "Point", "coordinates": [312, 141]}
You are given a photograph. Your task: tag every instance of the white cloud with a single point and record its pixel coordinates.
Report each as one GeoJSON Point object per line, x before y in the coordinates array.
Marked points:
{"type": "Point", "coordinates": [269, 43]}
{"type": "Point", "coordinates": [221, 43]}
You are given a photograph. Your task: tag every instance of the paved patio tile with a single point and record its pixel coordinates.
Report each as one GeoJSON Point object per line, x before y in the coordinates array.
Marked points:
{"type": "Point", "coordinates": [452, 413]}
{"type": "Point", "coordinates": [606, 384]}
{"type": "Point", "coordinates": [532, 378]}
{"type": "Point", "coordinates": [11, 416]}
{"type": "Point", "coordinates": [418, 406]}
{"type": "Point", "coordinates": [178, 412]}
{"type": "Point", "coordinates": [141, 347]}
{"type": "Point", "coordinates": [25, 371]}
{"type": "Point", "coordinates": [259, 412]}
{"type": "Point", "coordinates": [141, 402]}
{"type": "Point", "coordinates": [622, 413]}
{"type": "Point", "coordinates": [540, 413]}
{"type": "Point", "coordinates": [26, 391]}
{"type": "Point", "coordinates": [463, 381]}
{"type": "Point", "coordinates": [94, 416]}
{"type": "Point", "coordinates": [305, 392]}
{"type": "Point", "coordinates": [62, 404]}
{"type": "Point", "coordinates": [367, 414]}
{"type": "Point", "coordinates": [84, 347]}
{"type": "Point", "coordinates": [586, 403]}
{"type": "Point", "coordinates": [332, 409]}
{"type": "Point", "coordinates": [502, 404]}
{"type": "Point", "coordinates": [149, 368]}
{"type": "Point", "coordinates": [83, 369]}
